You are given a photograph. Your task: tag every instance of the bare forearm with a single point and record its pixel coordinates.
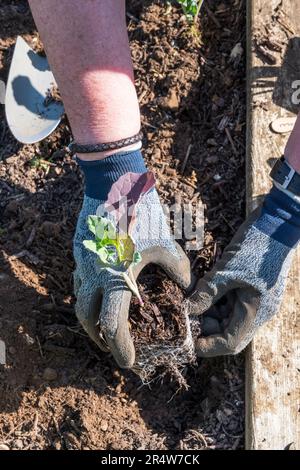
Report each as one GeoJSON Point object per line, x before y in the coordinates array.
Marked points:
{"type": "Point", "coordinates": [87, 46]}
{"type": "Point", "coordinates": [292, 150]}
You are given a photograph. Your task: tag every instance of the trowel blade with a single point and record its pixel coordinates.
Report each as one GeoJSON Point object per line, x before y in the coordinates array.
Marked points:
{"type": "Point", "coordinates": [29, 117]}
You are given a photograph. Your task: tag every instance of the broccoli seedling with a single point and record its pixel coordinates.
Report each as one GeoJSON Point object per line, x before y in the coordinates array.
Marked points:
{"type": "Point", "coordinates": [114, 246]}
{"type": "Point", "coordinates": [116, 252]}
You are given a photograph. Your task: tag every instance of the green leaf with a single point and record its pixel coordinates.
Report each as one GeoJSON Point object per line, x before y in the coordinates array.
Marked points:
{"type": "Point", "coordinates": [104, 256]}
{"type": "Point", "coordinates": [113, 256]}
{"type": "Point", "coordinates": [92, 222]}
{"type": "Point", "coordinates": [115, 253]}
{"type": "Point", "coordinates": [91, 245]}
{"type": "Point", "coordinates": [105, 231]}
{"type": "Point", "coordinates": [113, 250]}
{"type": "Point", "coordinates": [191, 8]}
{"type": "Point", "coordinates": [137, 258]}
{"type": "Point", "coordinates": [126, 249]}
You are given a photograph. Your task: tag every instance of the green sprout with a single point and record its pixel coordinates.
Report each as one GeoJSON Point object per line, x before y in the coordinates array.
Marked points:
{"type": "Point", "coordinates": [115, 252]}
{"type": "Point", "coordinates": [39, 163]}
{"type": "Point", "coordinates": [191, 8]}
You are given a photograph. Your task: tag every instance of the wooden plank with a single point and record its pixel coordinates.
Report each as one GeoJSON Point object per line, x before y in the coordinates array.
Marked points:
{"type": "Point", "coordinates": [273, 358]}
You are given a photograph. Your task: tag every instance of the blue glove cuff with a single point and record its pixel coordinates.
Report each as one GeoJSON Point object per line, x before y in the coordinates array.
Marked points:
{"type": "Point", "coordinates": [280, 218]}
{"type": "Point", "coordinates": [100, 175]}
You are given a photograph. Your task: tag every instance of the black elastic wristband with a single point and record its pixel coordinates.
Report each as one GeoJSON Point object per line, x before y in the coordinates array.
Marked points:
{"type": "Point", "coordinates": [285, 176]}
{"type": "Point", "coordinates": [94, 148]}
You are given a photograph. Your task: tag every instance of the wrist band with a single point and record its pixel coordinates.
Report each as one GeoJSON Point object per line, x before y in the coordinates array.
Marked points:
{"type": "Point", "coordinates": [283, 174]}
{"type": "Point", "coordinates": [94, 148]}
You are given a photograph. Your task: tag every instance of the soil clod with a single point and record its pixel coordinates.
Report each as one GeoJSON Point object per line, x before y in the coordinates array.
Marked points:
{"type": "Point", "coordinates": [161, 329]}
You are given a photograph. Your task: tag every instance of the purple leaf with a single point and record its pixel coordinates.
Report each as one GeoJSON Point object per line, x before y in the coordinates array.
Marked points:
{"type": "Point", "coordinates": [125, 194]}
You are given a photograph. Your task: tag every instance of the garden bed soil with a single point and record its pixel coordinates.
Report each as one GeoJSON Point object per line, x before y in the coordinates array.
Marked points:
{"type": "Point", "coordinates": [57, 390]}
{"type": "Point", "coordinates": [161, 330]}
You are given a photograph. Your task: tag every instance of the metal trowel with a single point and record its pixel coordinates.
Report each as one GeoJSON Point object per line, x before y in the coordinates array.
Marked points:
{"type": "Point", "coordinates": [30, 115]}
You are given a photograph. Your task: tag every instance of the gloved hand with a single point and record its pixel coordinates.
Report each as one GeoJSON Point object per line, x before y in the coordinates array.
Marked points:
{"type": "Point", "coordinates": [103, 298]}
{"type": "Point", "coordinates": [250, 277]}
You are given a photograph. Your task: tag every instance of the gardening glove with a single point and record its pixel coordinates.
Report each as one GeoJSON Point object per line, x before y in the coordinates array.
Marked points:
{"type": "Point", "coordinates": [250, 278]}
{"type": "Point", "coordinates": [103, 298]}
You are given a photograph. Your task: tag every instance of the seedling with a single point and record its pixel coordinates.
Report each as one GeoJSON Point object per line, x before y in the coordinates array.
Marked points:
{"type": "Point", "coordinates": [191, 8]}
{"type": "Point", "coordinates": [39, 163]}
{"type": "Point", "coordinates": [116, 248]}
{"type": "Point", "coordinates": [116, 252]}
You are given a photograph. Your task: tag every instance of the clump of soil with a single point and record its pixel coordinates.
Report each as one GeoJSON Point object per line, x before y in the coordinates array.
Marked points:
{"type": "Point", "coordinates": [161, 318]}
{"type": "Point", "coordinates": [163, 334]}
{"type": "Point", "coordinates": [53, 96]}
{"type": "Point", "coordinates": [161, 329]}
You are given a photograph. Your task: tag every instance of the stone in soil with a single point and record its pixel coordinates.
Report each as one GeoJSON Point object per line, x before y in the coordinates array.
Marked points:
{"type": "Point", "coordinates": [49, 374]}
{"type": "Point", "coordinates": [4, 447]}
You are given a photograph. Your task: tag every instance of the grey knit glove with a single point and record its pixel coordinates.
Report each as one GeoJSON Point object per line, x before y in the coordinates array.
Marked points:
{"type": "Point", "coordinates": [250, 277]}
{"type": "Point", "coordinates": [103, 298]}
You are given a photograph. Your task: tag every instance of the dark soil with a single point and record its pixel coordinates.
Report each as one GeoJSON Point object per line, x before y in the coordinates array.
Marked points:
{"type": "Point", "coordinates": [161, 318]}
{"type": "Point", "coordinates": [53, 95]}
{"type": "Point", "coordinates": [57, 390]}
{"type": "Point", "coordinates": [159, 329]}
